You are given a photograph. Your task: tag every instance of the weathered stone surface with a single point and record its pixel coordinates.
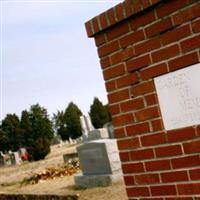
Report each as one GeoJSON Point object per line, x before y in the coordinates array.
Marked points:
{"type": "Point", "coordinates": [100, 163]}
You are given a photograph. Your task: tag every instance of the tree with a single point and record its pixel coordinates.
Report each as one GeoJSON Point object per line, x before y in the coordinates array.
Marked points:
{"type": "Point", "coordinates": [41, 132]}
{"type": "Point", "coordinates": [3, 140]}
{"type": "Point", "coordinates": [72, 117]}
{"type": "Point", "coordinates": [25, 125]}
{"type": "Point", "coordinates": [60, 125]}
{"type": "Point", "coordinates": [98, 113]}
{"type": "Point", "coordinates": [13, 134]}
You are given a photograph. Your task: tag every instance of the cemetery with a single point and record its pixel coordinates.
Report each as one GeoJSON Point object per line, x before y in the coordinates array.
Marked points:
{"type": "Point", "coordinates": [149, 52]}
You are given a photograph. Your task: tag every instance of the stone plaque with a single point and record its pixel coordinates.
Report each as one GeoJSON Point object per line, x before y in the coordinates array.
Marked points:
{"type": "Point", "coordinates": [179, 97]}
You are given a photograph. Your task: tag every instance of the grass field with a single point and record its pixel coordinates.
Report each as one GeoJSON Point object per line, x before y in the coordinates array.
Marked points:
{"type": "Point", "coordinates": [11, 178]}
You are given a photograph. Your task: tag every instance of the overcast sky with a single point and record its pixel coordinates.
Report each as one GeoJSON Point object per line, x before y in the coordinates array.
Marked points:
{"type": "Point", "coordinates": [46, 56]}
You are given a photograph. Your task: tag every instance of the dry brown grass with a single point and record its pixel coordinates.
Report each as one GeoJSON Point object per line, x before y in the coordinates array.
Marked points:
{"type": "Point", "coordinates": [12, 176]}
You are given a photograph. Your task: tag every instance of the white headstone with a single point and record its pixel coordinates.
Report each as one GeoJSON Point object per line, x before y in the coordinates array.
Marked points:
{"type": "Point", "coordinates": [86, 125]}
{"type": "Point", "coordinates": [179, 97]}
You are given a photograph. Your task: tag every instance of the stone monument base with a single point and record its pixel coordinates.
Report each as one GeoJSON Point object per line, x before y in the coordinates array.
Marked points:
{"type": "Point", "coordinates": [89, 181]}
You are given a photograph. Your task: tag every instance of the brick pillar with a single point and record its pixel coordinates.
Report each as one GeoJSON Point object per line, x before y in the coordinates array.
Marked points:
{"type": "Point", "coordinates": [138, 40]}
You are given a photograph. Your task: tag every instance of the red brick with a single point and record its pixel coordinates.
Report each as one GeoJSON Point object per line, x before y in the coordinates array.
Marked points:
{"type": "Point", "coordinates": [143, 88]}
{"type": "Point", "coordinates": [111, 16]}
{"type": "Point", "coordinates": [192, 147]}
{"type": "Point", "coordinates": [163, 190]}
{"type": "Point", "coordinates": [195, 174]}
{"type": "Point", "coordinates": [146, 3]}
{"type": "Point", "coordinates": [179, 198]}
{"type": "Point", "coordinates": [123, 119]}
{"type": "Point", "coordinates": [187, 15]}
{"type": "Point", "coordinates": [189, 161]}
{"type": "Point", "coordinates": [138, 63]}
{"type": "Point", "coordinates": [165, 53]}
{"type": "Point", "coordinates": [114, 109]}
{"type": "Point", "coordinates": [88, 27]}
{"type": "Point", "coordinates": [172, 150]}
{"type": "Point", "coordinates": [183, 61]}
{"type": "Point", "coordinates": [122, 55]}
{"type": "Point", "coordinates": [136, 129]}
{"type": "Point", "coordinates": [131, 38]}
{"type": "Point", "coordinates": [95, 25]}
{"type": "Point", "coordinates": [181, 134]}
{"type": "Point", "coordinates": [119, 12]}
{"type": "Point", "coordinates": [147, 46]}
{"type": "Point", "coordinates": [108, 48]}
{"type": "Point", "coordinates": [196, 26]}
{"type": "Point", "coordinates": [159, 27]}
{"type": "Point", "coordinates": [186, 189]}
{"type": "Point", "coordinates": [148, 113]}
{"type": "Point", "coordinates": [117, 31]}
{"type": "Point", "coordinates": [127, 80]}
{"type": "Point", "coordinates": [114, 72]}
{"type": "Point", "coordinates": [198, 130]}
{"type": "Point", "coordinates": [124, 156]}
{"type": "Point", "coordinates": [175, 34]}
{"type": "Point", "coordinates": [174, 176]}
{"type": "Point", "coordinates": [119, 133]}
{"type": "Point", "coordinates": [157, 125]}
{"type": "Point", "coordinates": [190, 44]}
{"type": "Point", "coordinates": [132, 168]}
{"type": "Point", "coordinates": [154, 139]}
{"type": "Point", "coordinates": [127, 7]}
{"type": "Point", "coordinates": [157, 165]}
{"type": "Point", "coordinates": [118, 96]}
{"type": "Point", "coordinates": [128, 144]}
{"type": "Point", "coordinates": [142, 20]}
{"type": "Point", "coordinates": [99, 39]}
{"type": "Point", "coordinates": [138, 191]}
{"type": "Point", "coordinates": [105, 62]}
{"type": "Point", "coordinates": [137, 6]}
{"type": "Point", "coordinates": [103, 21]}
{"type": "Point", "coordinates": [151, 99]}
{"type": "Point", "coordinates": [132, 104]}
{"type": "Point", "coordinates": [153, 71]}
{"type": "Point", "coordinates": [170, 7]}
{"type": "Point", "coordinates": [147, 179]}
{"type": "Point", "coordinates": [110, 86]}
{"type": "Point", "coordinates": [129, 180]}
{"type": "Point", "coordinates": [142, 154]}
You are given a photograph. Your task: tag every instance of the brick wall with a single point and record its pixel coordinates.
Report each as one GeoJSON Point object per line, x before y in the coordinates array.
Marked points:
{"type": "Point", "coordinates": [138, 40]}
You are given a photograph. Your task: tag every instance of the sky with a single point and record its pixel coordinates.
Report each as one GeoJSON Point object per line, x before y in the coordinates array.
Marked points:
{"type": "Point", "coordinates": [46, 56]}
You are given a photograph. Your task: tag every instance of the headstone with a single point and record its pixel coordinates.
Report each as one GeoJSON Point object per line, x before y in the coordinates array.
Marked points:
{"type": "Point", "coordinates": [179, 97]}
{"type": "Point", "coordinates": [68, 156]}
{"type": "Point", "coordinates": [110, 129]}
{"type": "Point", "coordinates": [2, 161]}
{"type": "Point", "coordinates": [86, 125]}
{"type": "Point", "coordinates": [100, 163]}
{"type": "Point", "coordinates": [101, 133]}
{"type": "Point", "coordinates": [15, 158]}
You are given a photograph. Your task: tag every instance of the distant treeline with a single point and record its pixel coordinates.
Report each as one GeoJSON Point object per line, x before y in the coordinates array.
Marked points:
{"type": "Point", "coordinates": [35, 131]}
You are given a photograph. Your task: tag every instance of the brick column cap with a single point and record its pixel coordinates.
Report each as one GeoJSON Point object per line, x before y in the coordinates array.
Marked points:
{"type": "Point", "coordinates": [117, 14]}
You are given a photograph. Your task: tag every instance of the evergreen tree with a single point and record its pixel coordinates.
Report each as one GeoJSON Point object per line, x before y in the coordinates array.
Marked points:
{"type": "Point", "coordinates": [72, 117]}
{"type": "Point", "coordinates": [13, 133]}
{"type": "Point", "coordinates": [41, 133]}
{"type": "Point", "coordinates": [25, 125]}
{"type": "Point", "coordinates": [98, 113]}
{"type": "Point", "coordinates": [60, 125]}
{"type": "Point", "coordinates": [3, 141]}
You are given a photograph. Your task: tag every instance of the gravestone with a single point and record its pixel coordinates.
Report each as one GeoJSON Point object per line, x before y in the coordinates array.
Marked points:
{"type": "Point", "coordinates": [100, 163]}
{"type": "Point", "coordinates": [96, 134]}
{"type": "Point", "coordinates": [2, 161]}
{"type": "Point", "coordinates": [15, 158]}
